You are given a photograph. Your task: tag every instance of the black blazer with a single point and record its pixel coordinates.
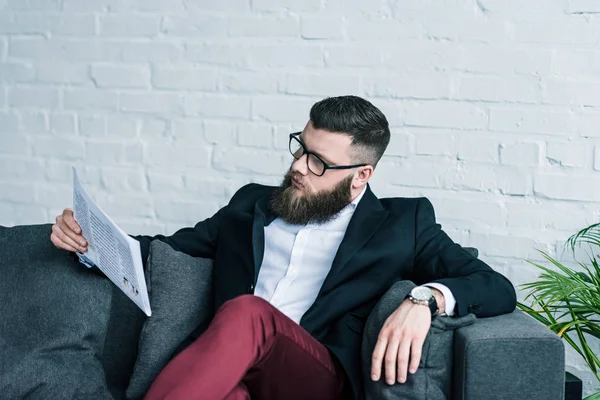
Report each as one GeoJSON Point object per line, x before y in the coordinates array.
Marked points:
{"type": "Point", "coordinates": [387, 240]}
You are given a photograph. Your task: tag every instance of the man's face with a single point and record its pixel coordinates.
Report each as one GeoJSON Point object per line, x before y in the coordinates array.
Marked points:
{"type": "Point", "coordinates": [305, 197]}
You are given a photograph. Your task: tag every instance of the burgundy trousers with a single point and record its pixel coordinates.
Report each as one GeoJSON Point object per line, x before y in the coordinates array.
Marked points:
{"type": "Point", "coordinates": [252, 351]}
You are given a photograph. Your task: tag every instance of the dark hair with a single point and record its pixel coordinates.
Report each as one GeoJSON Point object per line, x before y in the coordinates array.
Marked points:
{"type": "Point", "coordinates": [357, 118]}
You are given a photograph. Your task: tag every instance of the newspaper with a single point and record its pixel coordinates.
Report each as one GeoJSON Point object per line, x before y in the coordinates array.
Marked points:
{"type": "Point", "coordinates": [109, 248]}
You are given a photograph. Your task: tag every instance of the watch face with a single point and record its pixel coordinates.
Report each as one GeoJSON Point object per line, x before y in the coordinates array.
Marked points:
{"type": "Point", "coordinates": [421, 293]}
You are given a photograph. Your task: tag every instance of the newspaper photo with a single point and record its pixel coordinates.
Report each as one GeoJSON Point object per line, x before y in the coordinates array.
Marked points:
{"type": "Point", "coordinates": [110, 249]}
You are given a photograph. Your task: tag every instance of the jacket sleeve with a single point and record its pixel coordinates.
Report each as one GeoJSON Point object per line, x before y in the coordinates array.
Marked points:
{"type": "Point", "coordinates": [197, 241]}
{"type": "Point", "coordinates": [477, 288]}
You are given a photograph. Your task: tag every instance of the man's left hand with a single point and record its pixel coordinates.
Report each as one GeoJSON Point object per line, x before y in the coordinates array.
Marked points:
{"type": "Point", "coordinates": [401, 340]}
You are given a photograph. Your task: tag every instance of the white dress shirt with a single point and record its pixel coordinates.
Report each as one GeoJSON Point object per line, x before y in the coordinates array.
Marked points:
{"type": "Point", "coordinates": [297, 259]}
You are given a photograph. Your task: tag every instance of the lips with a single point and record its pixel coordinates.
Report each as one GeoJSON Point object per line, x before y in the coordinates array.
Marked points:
{"type": "Point", "coordinates": [297, 183]}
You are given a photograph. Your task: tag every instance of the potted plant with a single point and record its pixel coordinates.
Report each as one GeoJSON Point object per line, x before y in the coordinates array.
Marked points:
{"type": "Point", "coordinates": [568, 301]}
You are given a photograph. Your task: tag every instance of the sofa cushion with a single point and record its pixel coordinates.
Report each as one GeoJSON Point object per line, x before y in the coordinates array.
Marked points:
{"type": "Point", "coordinates": [53, 320]}
{"type": "Point", "coordinates": [432, 380]}
{"type": "Point", "coordinates": [181, 298]}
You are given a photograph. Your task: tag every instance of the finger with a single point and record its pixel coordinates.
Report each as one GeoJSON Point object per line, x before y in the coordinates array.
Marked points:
{"type": "Point", "coordinates": [61, 245]}
{"type": "Point", "coordinates": [66, 229]}
{"type": "Point", "coordinates": [69, 218]}
{"type": "Point", "coordinates": [403, 353]}
{"type": "Point", "coordinates": [378, 353]}
{"type": "Point", "coordinates": [415, 355]}
{"type": "Point", "coordinates": [64, 239]}
{"type": "Point", "coordinates": [391, 355]}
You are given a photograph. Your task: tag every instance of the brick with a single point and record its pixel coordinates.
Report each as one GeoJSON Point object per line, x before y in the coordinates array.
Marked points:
{"type": "Point", "coordinates": [21, 169]}
{"type": "Point", "coordinates": [33, 97]}
{"type": "Point", "coordinates": [217, 106]}
{"type": "Point", "coordinates": [128, 205]}
{"type": "Point", "coordinates": [281, 134]}
{"type": "Point", "coordinates": [519, 90]}
{"type": "Point", "coordinates": [572, 30]}
{"type": "Point", "coordinates": [572, 92]}
{"type": "Point", "coordinates": [446, 115]}
{"type": "Point", "coordinates": [3, 49]}
{"type": "Point", "coordinates": [34, 122]}
{"type": "Point", "coordinates": [253, 161]}
{"type": "Point", "coordinates": [376, 28]}
{"type": "Point", "coordinates": [220, 133]}
{"type": "Point", "coordinates": [46, 23]}
{"type": "Point", "coordinates": [21, 214]}
{"type": "Point", "coordinates": [457, 29]}
{"type": "Point", "coordinates": [61, 72]}
{"type": "Point", "coordinates": [285, 55]}
{"type": "Point", "coordinates": [355, 55]}
{"type": "Point", "coordinates": [420, 55]}
{"type": "Point", "coordinates": [583, 6]}
{"type": "Point", "coordinates": [195, 25]}
{"type": "Point", "coordinates": [321, 84]}
{"type": "Point", "coordinates": [565, 187]}
{"type": "Point", "coordinates": [90, 5]}
{"type": "Point", "coordinates": [523, 247]}
{"type": "Point", "coordinates": [597, 158]}
{"type": "Point", "coordinates": [28, 5]}
{"type": "Point", "coordinates": [120, 76]}
{"type": "Point", "coordinates": [152, 103]}
{"type": "Point", "coordinates": [501, 180]}
{"type": "Point", "coordinates": [416, 86]}
{"type": "Point", "coordinates": [129, 25]}
{"type": "Point", "coordinates": [264, 26]}
{"type": "Point", "coordinates": [229, 6]}
{"type": "Point", "coordinates": [123, 179]}
{"type": "Point", "coordinates": [153, 52]}
{"type": "Point", "coordinates": [168, 183]}
{"type": "Point", "coordinates": [520, 154]}
{"type": "Point", "coordinates": [64, 49]}
{"type": "Point", "coordinates": [189, 156]}
{"type": "Point", "coordinates": [435, 144]}
{"type": "Point", "coordinates": [400, 145]}
{"type": "Point", "coordinates": [212, 187]}
{"type": "Point", "coordinates": [577, 62]}
{"type": "Point", "coordinates": [65, 148]}
{"type": "Point", "coordinates": [121, 126]}
{"type": "Point", "coordinates": [469, 213]}
{"type": "Point", "coordinates": [13, 72]}
{"type": "Point", "coordinates": [104, 153]}
{"type": "Point", "coordinates": [187, 128]}
{"type": "Point", "coordinates": [92, 125]}
{"type": "Point", "coordinates": [414, 172]}
{"type": "Point", "coordinates": [565, 216]}
{"type": "Point", "coordinates": [14, 145]}
{"type": "Point", "coordinates": [484, 58]}
{"type": "Point", "coordinates": [63, 124]}
{"type": "Point", "coordinates": [567, 154]}
{"type": "Point", "coordinates": [255, 135]}
{"type": "Point", "coordinates": [230, 55]}
{"type": "Point", "coordinates": [323, 28]}
{"type": "Point", "coordinates": [153, 128]}
{"type": "Point", "coordinates": [283, 5]}
{"type": "Point", "coordinates": [171, 6]}
{"type": "Point", "coordinates": [90, 99]}
{"type": "Point", "coordinates": [281, 109]}
{"type": "Point", "coordinates": [203, 79]}
{"type": "Point", "coordinates": [17, 192]}
{"type": "Point", "coordinates": [9, 122]}
{"type": "Point", "coordinates": [250, 82]}
{"type": "Point", "coordinates": [588, 124]}
{"type": "Point", "coordinates": [532, 120]}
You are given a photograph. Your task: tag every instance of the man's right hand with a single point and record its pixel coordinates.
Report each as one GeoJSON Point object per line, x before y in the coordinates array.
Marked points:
{"type": "Point", "coordinates": [66, 233]}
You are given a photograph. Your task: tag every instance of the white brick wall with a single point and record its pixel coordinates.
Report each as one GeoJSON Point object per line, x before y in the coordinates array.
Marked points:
{"type": "Point", "coordinates": [166, 107]}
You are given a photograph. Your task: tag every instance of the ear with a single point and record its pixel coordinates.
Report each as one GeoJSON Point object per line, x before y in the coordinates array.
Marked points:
{"type": "Point", "coordinates": [361, 176]}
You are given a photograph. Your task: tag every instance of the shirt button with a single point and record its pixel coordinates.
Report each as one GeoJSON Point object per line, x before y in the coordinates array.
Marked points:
{"type": "Point", "coordinates": [251, 288]}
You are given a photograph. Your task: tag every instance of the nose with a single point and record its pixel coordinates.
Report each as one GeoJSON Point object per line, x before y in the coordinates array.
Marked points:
{"type": "Point", "coordinates": [299, 165]}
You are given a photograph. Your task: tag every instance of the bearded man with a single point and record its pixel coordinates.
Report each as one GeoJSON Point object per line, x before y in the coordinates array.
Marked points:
{"type": "Point", "coordinates": [298, 269]}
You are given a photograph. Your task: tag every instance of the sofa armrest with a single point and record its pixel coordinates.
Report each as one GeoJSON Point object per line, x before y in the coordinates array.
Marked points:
{"type": "Point", "coordinates": [510, 356]}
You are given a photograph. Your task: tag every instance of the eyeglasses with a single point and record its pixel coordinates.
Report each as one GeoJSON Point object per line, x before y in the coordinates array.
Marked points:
{"type": "Point", "coordinates": [313, 161]}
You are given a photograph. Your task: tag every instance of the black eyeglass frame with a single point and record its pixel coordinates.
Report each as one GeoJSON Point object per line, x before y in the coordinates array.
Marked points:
{"type": "Point", "coordinates": [294, 136]}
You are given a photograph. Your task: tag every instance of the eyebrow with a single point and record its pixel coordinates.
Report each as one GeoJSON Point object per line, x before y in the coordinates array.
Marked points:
{"type": "Point", "coordinates": [317, 154]}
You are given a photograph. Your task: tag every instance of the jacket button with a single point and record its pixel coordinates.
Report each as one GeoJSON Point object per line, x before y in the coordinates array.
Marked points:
{"type": "Point", "coordinates": [474, 308]}
{"type": "Point", "coordinates": [251, 288]}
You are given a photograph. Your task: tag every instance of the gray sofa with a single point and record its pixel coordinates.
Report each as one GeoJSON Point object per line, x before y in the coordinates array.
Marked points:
{"type": "Point", "coordinates": [54, 314]}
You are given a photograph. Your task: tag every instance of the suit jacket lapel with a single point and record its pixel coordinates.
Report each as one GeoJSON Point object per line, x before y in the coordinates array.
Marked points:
{"type": "Point", "coordinates": [262, 218]}
{"type": "Point", "coordinates": [367, 218]}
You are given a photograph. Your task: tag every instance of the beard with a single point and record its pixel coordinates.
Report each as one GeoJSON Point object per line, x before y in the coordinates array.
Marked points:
{"type": "Point", "coordinates": [296, 208]}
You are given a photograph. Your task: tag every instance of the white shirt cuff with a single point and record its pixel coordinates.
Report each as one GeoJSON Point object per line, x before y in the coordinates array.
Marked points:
{"type": "Point", "coordinates": [448, 297]}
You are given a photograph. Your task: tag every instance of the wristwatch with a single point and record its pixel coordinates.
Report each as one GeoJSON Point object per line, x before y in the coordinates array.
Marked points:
{"type": "Point", "coordinates": [424, 295]}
